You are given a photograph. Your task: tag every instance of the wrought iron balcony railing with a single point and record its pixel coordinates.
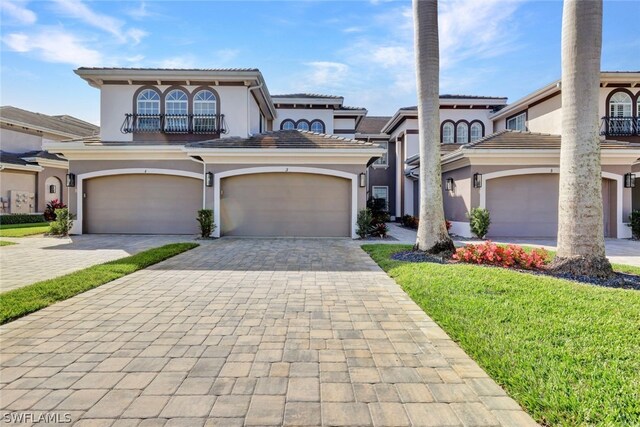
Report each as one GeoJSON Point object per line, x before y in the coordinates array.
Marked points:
{"type": "Point", "coordinates": [620, 126]}
{"type": "Point", "coordinates": [174, 123]}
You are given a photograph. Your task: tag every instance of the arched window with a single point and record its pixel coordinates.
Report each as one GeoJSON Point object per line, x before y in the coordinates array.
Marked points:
{"type": "Point", "coordinates": [287, 125]}
{"type": "Point", "coordinates": [148, 110]}
{"type": "Point", "coordinates": [317, 126]}
{"type": "Point", "coordinates": [447, 133]}
{"type": "Point", "coordinates": [205, 106]}
{"type": "Point", "coordinates": [620, 114]}
{"type": "Point", "coordinates": [476, 131]}
{"type": "Point", "coordinates": [462, 133]}
{"type": "Point", "coordinates": [302, 125]}
{"type": "Point", "coordinates": [176, 106]}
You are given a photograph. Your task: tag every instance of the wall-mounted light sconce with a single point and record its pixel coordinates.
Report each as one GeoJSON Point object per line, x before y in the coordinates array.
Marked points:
{"type": "Point", "coordinates": [449, 184]}
{"type": "Point", "coordinates": [208, 179]}
{"type": "Point", "coordinates": [363, 180]}
{"type": "Point", "coordinates": [71, 180]}
{"type": "Point", "coordinates": [52, 189]}
{"type": "Point", "coordinates": [629, 180]}
{"type": "Point", "coordinates": [477, 180]}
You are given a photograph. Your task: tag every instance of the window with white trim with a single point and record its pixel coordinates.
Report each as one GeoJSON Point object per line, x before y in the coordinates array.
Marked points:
{"type": "Point", "coordinates": [317, 126]}
{"type": "Point", "coordinates": [302, 126]}
{"type": "Point", "coordinates": [476, 131]}
{"type": "Point", "coordinates": [383, 161]}
{"type": "Point", "coordinates": [447, 133]}
{"type": "Point", "coordinates": [518, 122]}
{"type": "Point", "coordinates": [148, 110]}
{"type": "Point", "coordinates": [205, 106]}
{"type": "Point", "coordinates": [620, 105]}
{"type": "Point", "coordinates": [176, 106]}
{"type": "Point", "coordinates": [462, 133]}
{"type": "Point", "coordinates": [288, 125]}
{"type": "Point", "coordinates": [381, 192]}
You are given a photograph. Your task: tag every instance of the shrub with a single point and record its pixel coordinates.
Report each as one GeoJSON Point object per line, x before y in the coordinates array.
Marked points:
{"type": "Point", "coordinates": [380, 230]}
{"type": "Point", "coordinates": [510, 256]}
{"type": "Point", "coordinates": [479, 221]}
{"type": "Point", "coordinates": [50, 210]}
{"type": "Point", "coordinates": [364, 221]}
{"type": "Point", "coordinates": [378, 208]}
{"type": "Point", "coordinates": [21, 219]}
{"type": "Point", "coordinates": [409, 221]}
{"type": "Point", "coordinates": [63, 223]}
{"type": "Point", "coordinates": [205, 219]}
{"type": "Point", "coordinates": [634, 223]}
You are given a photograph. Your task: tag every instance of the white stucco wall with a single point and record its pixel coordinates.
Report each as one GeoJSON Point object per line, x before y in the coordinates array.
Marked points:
{"type": "Point", "coordinates": [310, 114]}
{"type": "Point", "coordinates": [254, 115]}
{"type": "Point", "coordinates": [19, 142]}
{"type": "Point", "coordinates": [345, 124]}
{"type": "Point", "coordinates": [546, 117]}
{"type": "Point", "coordinates": [117, 100]}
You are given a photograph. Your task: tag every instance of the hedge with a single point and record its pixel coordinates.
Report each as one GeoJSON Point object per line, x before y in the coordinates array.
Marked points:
{"type": "Point", "coordinates": [21, 219]}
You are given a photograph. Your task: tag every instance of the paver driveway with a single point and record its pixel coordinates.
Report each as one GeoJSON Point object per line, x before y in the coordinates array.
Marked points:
{"type": "Point", "coordinates": [39, 258]}
{"type": "Point", "coordinates": [248, 332]}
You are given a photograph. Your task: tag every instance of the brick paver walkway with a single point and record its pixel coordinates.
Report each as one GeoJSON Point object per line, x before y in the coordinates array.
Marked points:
{"type": "Point", "coordinates": [248, 332]}
{"type": "Point", "coordinates": [40, 258]}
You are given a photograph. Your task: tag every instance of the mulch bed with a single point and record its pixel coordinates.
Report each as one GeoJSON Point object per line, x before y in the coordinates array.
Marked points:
{"type": "Point", "coordinates": [620, 280]}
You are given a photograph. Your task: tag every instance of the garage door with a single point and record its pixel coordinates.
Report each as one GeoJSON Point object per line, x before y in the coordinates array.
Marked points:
{"type": "Point", "coordinates": [527, 206]}
{"type": "Point", "coordinates": [142, 204]}
{"type": "Point", "coordinates": [285, 204]}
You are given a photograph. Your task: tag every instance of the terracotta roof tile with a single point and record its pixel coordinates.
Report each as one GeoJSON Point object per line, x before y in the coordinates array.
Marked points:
{"type": "Point", "coordinates": [512, 139]}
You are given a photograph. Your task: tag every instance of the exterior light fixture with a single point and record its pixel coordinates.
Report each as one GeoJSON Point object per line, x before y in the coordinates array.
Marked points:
{"type": "Point", "coordinates": [363, 180]}
{"type": "Point", "coordinates": [52, 189]}
{"type": "Point", "coordinates": [629, 180]}
{"type": "Point", "coordinates": [71, 180]}
{"type": "Point", "coordinates": [477, 180]}
{"type": "Point", "coordinates": [208, 179]}
{"type": "Point", "coordinates": [449, 184]}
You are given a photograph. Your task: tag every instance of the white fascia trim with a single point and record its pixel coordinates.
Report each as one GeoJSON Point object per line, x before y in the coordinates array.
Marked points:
{"type": "Point", "coordinates": [523, 103]}
{"type": "Point", "coordinates": [329, 102]}
{"type": "Point", "coordinates": [622, 230]}
{"type": "Point", "coordinates": [30, 168]}
{"type": "Point", "coordinates": [284, 169]}
{"type": "Point", "coordinates": [77, 224]}
{"type": "Point", "coordinates": [623, 153]}
{"type": "Point", "coordinates": [396, 118]}
{"type": "Point", "coordinates": [49, 163]}
{"type": "Point", "coordinates": [284, 151]}
{"type": "Point", "coordinates": [350, 112]}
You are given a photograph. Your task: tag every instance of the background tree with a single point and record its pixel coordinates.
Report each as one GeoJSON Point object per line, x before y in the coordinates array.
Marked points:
{"type": "Point", "coordinates": [432, 231]}
{"type": "Point", "coordinates": [581, 247]}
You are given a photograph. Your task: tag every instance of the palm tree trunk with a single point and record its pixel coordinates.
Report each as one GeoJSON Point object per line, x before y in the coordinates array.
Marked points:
{"type": "Point", "coordinates": [432, 231]}
{"type": "Point", "coordinates": [581, 247]}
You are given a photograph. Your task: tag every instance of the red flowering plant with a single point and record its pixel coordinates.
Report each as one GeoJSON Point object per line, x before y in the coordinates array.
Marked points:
{"type": "Point", "coordinates": [509, 256]}
{"type": "Point", "coordinates": [50, 210]}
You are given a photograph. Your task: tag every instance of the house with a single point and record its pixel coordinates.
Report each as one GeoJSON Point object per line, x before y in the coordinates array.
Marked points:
{"type": "Point", "coordinates": [29, 176]}
{"type": "Point", "coordinates": [513, 169]}
{"type": "Point", "coordinates": [173, 141]}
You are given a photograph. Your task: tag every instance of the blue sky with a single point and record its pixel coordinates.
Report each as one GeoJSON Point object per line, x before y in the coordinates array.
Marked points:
{"type": "Point", "coordinates": [361, 50]}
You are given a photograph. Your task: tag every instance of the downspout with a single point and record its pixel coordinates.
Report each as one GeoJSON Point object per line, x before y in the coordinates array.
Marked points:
{"type": "Point", "coordinates": [249, 89]}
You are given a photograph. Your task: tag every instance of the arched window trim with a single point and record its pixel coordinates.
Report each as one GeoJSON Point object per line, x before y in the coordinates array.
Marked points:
{"type": "Point", "coordinates": [453, 133]}
{"type": "Point", "coordinates": [213, 101]}
{"type": "Point", "coordinates": [299, 122]}
{"type": "Point", "coordinates": [458, 124]}
{"type": "Point", "coordinates": [317, 122]}
{"type": "Point", "coordinates": [143, 89]}
{"type": "Point", "coordinates": [284, 122]}
{"type": "Point", "coordinates": [476, 122]}
{"type": "Point", "coordinates": [613, 93]}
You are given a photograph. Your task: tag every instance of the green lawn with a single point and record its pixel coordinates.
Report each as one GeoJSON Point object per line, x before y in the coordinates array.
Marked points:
{"type": "Point", "coordinates": [5, 243]}
{"type": "Point", "coordinates": [22, 230]}
{"type": "Point", "coordinates": [19, 302]}
{"type": "Point", "coordinates": [569, 353]}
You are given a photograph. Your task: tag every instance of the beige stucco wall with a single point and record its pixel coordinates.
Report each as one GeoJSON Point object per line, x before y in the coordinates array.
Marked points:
{"type": "Point", "coordinates": [457, 202]}
{"type": "Point", "coordinates": [19, 142]}
{"type": "Point", "coordinates": [42, 188]}
{"type": "Point", "coordinates": [17, 181]}
{"type": "Point", "coordinates": [546, 117]}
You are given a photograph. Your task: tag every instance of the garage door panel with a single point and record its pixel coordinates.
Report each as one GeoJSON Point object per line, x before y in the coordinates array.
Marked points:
{"type": "Point", "coordinates": [286, 204]}
{"type": "Point", "coordinates": [142, 204]}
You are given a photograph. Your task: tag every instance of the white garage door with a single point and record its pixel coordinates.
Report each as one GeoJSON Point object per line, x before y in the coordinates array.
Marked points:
{"type": "Point", "coordinates": [285, 204]}
{"type": "Point", "coordinates": [142, 204]}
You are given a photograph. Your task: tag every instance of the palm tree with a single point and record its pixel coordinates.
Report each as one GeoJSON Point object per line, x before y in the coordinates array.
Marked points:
{"type": "Point", "coordinates": [581, 247]}
{"type": "Point", "coordinates": [432, 231]}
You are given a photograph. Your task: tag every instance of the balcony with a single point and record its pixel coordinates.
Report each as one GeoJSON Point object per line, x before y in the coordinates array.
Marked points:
{"type": "Point", "coordinates": [174, 123]}
{"type": "Point", "coordinates": [620, 126]}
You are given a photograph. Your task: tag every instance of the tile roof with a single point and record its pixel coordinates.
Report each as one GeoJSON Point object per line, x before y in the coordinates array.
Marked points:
{"type": "Point", "coordinates": [66, 124]}
{"type": "Point", "coordinates": [165, 69]}
{"type": "Point", "coordinates": [306, 95]}
{"type": "Point", "coordinates": [12, 158]}
{"type": "Point", "coordinates": [372, 124]}
{"type": "Point", "coordinates": [19, 158]}
{"type": "Point", "coordinates": [512, 139]}
{"type": "Point", "coordinates": [286, 139]}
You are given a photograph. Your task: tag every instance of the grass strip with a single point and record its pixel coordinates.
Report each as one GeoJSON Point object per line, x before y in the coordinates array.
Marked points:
{"type": "Point", "coordinates": [569, 353]}
{"type": "Point", "coordinates": [22, 301]}
{"type": "Point", "coordinates": [22, 230]}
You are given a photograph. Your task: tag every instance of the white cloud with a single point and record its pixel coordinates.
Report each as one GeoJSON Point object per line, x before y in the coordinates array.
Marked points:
{"type": "Point", "coordinates": [326, 73]}
{"type": "Point", "coordinates": [18, 12]}
{"type": "Point", "coordinates": [116, 27]}
{"type": "Point", "coordinates": [139, 12]}
{"type": "Point", "coordinates": [54, 45]}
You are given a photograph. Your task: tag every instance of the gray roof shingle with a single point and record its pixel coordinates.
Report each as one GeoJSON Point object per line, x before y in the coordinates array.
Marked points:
{"type": "Point", "coordinates": [372, 124]}
{"type": "Point", "coordinates": [512, 139]}
{"type": "Point", "coordinates": [67, 124]}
